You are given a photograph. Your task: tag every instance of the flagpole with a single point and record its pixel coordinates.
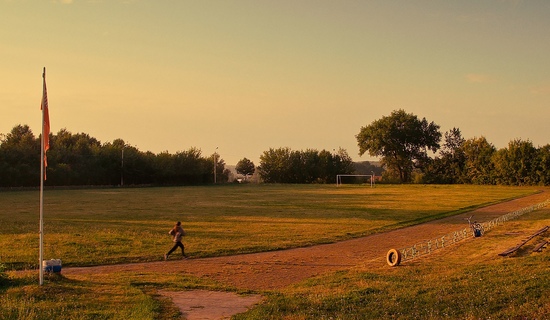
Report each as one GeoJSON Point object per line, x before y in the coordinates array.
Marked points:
{"type": "Point", "coordinates": [41, 258]}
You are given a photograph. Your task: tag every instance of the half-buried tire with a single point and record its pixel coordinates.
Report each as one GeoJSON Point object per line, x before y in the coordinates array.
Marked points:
{"type": "Point", "coordinates": [393, 257]}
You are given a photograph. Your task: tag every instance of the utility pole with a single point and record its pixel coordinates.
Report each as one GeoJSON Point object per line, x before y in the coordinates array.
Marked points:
{"type": "Point", "coordinates": [122, 168]}
{"type": "Point", "coordinates": [215, 163]}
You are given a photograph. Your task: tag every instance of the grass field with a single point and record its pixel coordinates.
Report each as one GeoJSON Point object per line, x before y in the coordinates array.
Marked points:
{"type": "Point", "coordinates": [105, 226]}
{"type": "Point", "coordinates": [101, 226]}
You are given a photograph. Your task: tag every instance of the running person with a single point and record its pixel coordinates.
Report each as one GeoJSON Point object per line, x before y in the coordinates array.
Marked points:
{"type": "Point", "coordinates": [177, 232]}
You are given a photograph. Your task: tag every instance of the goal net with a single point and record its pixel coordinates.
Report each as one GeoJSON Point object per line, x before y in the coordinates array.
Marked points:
{"type": "Point", "coordinates": [354, 179]}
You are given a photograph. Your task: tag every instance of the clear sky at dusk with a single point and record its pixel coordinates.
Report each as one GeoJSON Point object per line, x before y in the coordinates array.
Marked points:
{"type": "Point", "coordinates": [246, 76]}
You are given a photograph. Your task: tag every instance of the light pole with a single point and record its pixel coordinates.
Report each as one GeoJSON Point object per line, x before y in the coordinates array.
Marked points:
{"type": "Point", "coordinates": [215, 163]}
{"type": "Point", "coordinates": [122, 168]}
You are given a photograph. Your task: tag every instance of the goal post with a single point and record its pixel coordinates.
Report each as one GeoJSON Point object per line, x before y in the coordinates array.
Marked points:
{"type": "Point", "coordinates": [340, 176]}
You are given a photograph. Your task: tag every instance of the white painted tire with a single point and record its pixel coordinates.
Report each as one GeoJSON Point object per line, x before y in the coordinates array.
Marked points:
{"type": "Point", "coordinates": [393, 257]}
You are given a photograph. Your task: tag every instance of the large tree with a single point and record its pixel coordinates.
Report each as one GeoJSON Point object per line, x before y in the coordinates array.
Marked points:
{"type": "Point", "coordinates": [401, 140]}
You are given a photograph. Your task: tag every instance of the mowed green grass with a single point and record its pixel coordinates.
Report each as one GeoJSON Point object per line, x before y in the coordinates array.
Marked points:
{"type": "Point", "coordinates": [107, 226]}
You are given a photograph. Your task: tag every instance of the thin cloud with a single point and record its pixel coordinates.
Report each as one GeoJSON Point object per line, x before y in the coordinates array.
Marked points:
{"type": "Point", "coordinates": [513, 3]}
{"type": "Point", "coordinates": [544, 89]}
{"type": "Point", "coordinates": [479, 78]}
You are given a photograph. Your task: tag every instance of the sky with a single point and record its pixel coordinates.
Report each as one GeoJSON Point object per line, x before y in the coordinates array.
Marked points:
{"type": "Point", "coordinates": [244, 76]}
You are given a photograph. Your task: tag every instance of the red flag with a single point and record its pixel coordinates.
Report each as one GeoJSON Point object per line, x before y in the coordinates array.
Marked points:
{"type": "Point", "coordinates": [46, 122]}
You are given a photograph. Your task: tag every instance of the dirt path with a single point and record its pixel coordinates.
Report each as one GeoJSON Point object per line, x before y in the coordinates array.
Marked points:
{"type": "Point", "coordinates": [278, 269]}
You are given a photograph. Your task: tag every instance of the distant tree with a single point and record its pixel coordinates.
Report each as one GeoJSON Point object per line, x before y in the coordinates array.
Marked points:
{"type": "Point", "coordinates": [19, 158]}
{"type": "Point", "coordinates": [326, 167]}
{"type": "Point", "coordinates": [226, 174]}
{"type": "Point", "coordinates": [310, 166]}
{"type": "Point", "coordinates": [452, 148]}
{"type": "Point", "coordinates": [543, 165]}
{"type": "Point", "coordinates": [366, 167]}
{"type": "Point", "coordinates": [74, 159]}
{"type": "Point", "coordinates": [342, 164]}
{"type": "Point", "coordinates": [304, 166]}
{"type": "Point", "coordinates": [448, 167]}
{"type": "Point", "coordinates": [478, 167]}
{"type": "Point", "coordinates": [402, 140]}
{"type": "Point", "coordinates": [245, 167]}
{"type": "Point", "coordinates": [135, 166]}
{"type": "Point", "coordinates": [183, 168]}
{"type": "Point", "coordinates": [191, 168]}
{"type": "Point", "coordinates": [274, 165]}
{"type": "Point", "coordinates": [517, 164]}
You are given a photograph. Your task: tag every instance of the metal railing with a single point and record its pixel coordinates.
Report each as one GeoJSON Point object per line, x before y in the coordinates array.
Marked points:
{"type": "Point", "coordinates": [427, 247]}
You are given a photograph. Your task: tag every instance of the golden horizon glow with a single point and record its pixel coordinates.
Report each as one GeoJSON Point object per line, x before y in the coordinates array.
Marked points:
{"type": "Point", "coordinates": [252, 75]}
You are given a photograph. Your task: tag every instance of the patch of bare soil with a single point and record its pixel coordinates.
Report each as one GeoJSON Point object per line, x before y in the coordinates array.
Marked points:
{"type": "Point", "coordinates": [204, 304]}
{"type": "Point", "coordinates": [279, 269]}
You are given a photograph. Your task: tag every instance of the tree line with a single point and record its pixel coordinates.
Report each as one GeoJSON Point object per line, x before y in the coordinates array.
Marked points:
{"type": "Point", "coordinates": [78, 159]}
{"type": "Point", "coordinates": [283, 165]}
{"type": "Point", "coordinates": [81, 160]}
{"type": "Point", "coordinates": [410, 151]}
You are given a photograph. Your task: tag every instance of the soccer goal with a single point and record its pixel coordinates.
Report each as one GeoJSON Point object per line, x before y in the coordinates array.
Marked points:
{"type": "Point", "coordinates": [354, 179]}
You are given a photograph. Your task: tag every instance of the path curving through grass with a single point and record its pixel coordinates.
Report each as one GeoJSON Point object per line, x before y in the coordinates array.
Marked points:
{"type": "Point", "coordinates": [266, 271]}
